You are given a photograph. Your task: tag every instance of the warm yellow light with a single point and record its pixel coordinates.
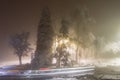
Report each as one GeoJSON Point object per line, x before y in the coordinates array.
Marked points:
{"type": "Point", "coordinates": [70, 46]}
{"type": "Point", "coordinates": [77, 53]}
{"type": "Point", "coordinates": [63, 41]}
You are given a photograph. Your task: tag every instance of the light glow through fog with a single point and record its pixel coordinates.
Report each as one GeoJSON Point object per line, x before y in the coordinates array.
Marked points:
{"type": "Point", "coordinates": [15, 62]}
{"type": "Point", "coordinates": [70, 46]}
{"type": "Point", "coordinates": [115, 62]}
{"type": "Point", "coordinates": [113, 46]}
{"type": "Point", "coordinates": [84, 55]}
{"type": "Point", "coordinates": [86, 61]}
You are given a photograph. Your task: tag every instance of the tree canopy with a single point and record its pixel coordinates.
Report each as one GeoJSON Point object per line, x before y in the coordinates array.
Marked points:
{"type": "Point", "coordinates": [20, 44]}
{"type": "Point", "coordinates": [44, 41]}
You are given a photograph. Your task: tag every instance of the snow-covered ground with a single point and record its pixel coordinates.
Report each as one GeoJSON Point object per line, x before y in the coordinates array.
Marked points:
{"type": "Point", "coordinates": [62, 79]}
{"type": "Point", "coordinates": [80, 78]}
{"type": "Point", "coordinates": [107, 72]}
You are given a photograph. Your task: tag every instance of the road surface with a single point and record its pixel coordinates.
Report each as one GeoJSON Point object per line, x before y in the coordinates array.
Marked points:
{"type": "Point", "coordinates": [68, 73]}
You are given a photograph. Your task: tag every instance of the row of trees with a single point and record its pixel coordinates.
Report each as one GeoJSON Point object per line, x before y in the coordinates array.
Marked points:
{"type": "Point", "coordinates": [43, 54]}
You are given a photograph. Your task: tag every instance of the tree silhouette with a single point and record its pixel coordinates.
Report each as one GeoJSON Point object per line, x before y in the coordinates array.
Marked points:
{"type": "Point", "coordinates": [83, 23]}
{"type": "Point", "coordinates": [44, 41]}
{"type": "Point", "coordinates": [61, 55]}
{"type": "Point", "coordinates": [64, 28]}
{"type": "Point", "coordinates": [20, 44]}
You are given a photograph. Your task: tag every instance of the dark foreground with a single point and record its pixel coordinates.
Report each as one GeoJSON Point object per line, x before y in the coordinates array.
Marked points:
{"type": "Point", "coordinates": [79, 73]}
{"type": "Point", "coordinates": [57, 78]}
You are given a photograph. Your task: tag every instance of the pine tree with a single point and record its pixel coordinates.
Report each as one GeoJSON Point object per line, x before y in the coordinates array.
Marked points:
{"type": "Point", "coordinates": [61, 54]}
{"type": "Point", "coordinates": [64, 28]}
{"type": "Point", "coordinates": [44, 41]}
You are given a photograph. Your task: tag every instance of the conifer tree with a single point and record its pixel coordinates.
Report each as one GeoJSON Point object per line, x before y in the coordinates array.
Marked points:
{"type": "Point", "coordinates": [44, 41]}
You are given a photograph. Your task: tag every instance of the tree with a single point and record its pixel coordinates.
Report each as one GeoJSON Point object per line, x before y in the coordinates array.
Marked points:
{"type": "Point", "coordinates": [20, 44]}
{"type": "Point", "coordinates": [44, 41]}
{"type": "Point", "coordinates": [64, 28]}
{"type": "Point", "coordinates": [83, 23]}
{"type": "Point", "coordinates": [62, 55]}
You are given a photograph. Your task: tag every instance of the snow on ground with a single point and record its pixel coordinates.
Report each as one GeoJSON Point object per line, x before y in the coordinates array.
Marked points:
{"type": "Point", "coordinates": [62, 79]}
{"type": "Point", "coordinates": [80, 78]}
{"type": "Point", "coordinates": [108, 72]}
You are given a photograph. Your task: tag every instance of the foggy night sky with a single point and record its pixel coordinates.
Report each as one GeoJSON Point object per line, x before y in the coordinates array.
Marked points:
{"type": "Point", "coordinates": [24, 15]}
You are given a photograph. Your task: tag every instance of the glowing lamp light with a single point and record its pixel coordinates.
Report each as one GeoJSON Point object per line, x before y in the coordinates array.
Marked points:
{"type": "Point", "coordinates": [70, 46]}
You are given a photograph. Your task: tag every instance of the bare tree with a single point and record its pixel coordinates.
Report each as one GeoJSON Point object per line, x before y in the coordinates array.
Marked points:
{"type": "Point", "coordinates": [20, 44]}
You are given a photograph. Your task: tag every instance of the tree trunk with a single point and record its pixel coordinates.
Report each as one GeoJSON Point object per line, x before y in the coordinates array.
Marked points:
{"type": "Point", "coordinates": [77, 55]}
{"type": "Point", "coordinates": [20, 60]}
{"type": "Point", "coordinates": [59, 62]}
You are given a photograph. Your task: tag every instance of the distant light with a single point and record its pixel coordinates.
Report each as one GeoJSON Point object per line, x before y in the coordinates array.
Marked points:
{"type": "Point", "coordinates": [54, 61]}
{"type": "Point", "coordinates": [86, 61]}
{"type": "Point", "coordinates": [70, 47]}
{"type": "Point", "coordinates": [115, 62]}
{"type": "Point", "coordinates": [114, 46]}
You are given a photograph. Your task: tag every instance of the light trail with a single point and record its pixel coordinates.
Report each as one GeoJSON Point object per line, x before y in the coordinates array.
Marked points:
{"type": "Point", "coordinates": [70, 72]}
